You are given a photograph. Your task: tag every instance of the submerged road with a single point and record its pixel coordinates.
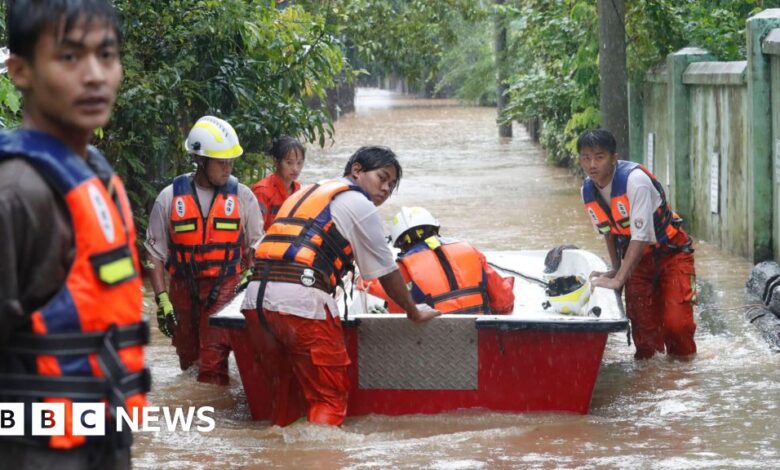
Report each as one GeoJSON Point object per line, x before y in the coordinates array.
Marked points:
{"type": "Point", "coordinates": [719, 411]}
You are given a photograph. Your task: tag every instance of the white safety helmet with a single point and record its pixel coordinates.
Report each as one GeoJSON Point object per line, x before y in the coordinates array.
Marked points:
{"type": "Point", "coordinates": [572, 303]}
{"type": "Point", "coordinates": [408, 219]}
{"type": "Point", "coordinates": [213, 137]}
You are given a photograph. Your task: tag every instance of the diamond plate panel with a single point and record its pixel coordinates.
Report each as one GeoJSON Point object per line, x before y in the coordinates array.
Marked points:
{"type": "Point", "coordinates": [394, 353]}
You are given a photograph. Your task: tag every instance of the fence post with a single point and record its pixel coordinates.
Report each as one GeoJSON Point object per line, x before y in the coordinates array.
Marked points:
{"type": "Point", "coordinates": [635, 122]}
{"type": "Point", "coordinates": [771, 45]}
{"type": "Point", "coordinates": [679, 127]}
{"type": "Point", "coordinates": [759, 134]}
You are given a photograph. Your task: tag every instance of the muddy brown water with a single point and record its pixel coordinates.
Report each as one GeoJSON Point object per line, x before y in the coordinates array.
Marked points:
{"type": "Point", "coordinates": [718, 411]}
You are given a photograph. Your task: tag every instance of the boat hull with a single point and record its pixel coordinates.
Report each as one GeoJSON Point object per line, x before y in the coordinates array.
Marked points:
{"type": "Point", "coordinates": [518, 371]}
{"type": "Point", "coordinates": [532, 361]}
{"type": "Point", "coordinates": [514, 370]}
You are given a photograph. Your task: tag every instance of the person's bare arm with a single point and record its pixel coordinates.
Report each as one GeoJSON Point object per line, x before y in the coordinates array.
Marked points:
{"type": "Point", "coordinates": [394, 285]}
{"type": "Point", "coordinates": [633, 255]}
{"type": "Point", "coordinates": [614, 259]}
{"type": "Point", "coordinates": [157, 276]}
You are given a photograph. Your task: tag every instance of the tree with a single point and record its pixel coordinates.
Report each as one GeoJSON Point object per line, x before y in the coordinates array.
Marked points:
{"type": "Point", "coordinates": [246, 62]}
{"type": "Point", "coordinates": [613, 83]}
{"type": "Point", "coordinates": [504, 127]}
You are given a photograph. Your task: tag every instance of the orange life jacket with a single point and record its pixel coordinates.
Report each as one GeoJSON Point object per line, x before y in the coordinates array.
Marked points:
{"type": "Point", "coordinates": [302, 245]}
{"type": "Point", "coordinates": [615, 217]}
{"type": "Point", "coordinates": [85, 344]}
{"type": "Point", "coordinates": [271, 193]}
{"type": "Point", "coordinates": [205, 247]}
{"type": "Point", "coordinates": [448, 276]}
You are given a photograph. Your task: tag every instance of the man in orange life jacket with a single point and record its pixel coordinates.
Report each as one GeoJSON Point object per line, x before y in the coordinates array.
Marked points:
{"type": "Point", "coordinates": [201, 226]}
{"type": "Point", "coordinates": [650, 252]}
{"type": "Point", "coordinates": [291, 315]}
{"type": "Point", "coordinates": [449, 275]}
{"type": "Point", "coordinates": [70, 292]}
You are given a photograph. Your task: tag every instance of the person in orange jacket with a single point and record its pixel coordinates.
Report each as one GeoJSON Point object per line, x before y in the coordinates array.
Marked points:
{"type": "Point", "coordinates": [650, 252]}
{"type": "Point", "coordinates": [271, 191]}
{"type": "Point", "coordinates": [449, 275]}
{"type": "Point", "coordinates": [71, 306]}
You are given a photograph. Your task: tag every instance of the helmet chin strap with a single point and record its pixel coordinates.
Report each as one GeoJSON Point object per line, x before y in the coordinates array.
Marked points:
{"type": "Point", "coordinates": [202, 163]}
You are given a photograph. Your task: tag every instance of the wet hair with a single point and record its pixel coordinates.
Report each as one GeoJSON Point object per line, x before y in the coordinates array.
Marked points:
{"type": "Point", "coordinates": [372, 158]}
{"type": "Point", "coordinates": [593, 138]}
{"type": "Point", "coordinates": [283, 145]}
{"type": "Point", "coordinates": [27, 19]}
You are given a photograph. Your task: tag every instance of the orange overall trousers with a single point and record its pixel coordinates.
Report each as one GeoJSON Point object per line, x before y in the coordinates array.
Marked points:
{"type": "Point", "coordinates": [194, 338]}
{"type": "Point", "coordinates": [659, 301]}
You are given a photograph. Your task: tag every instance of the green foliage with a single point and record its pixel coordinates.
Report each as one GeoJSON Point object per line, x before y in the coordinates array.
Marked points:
{"type": "Point", "coordinates": [408, 39]}
{"type": "Point", "coordinates": [555, 55]}
{"type": "Point", "coordinates": [468, 68]}
{"type": "Point", "coordinates": [555, 61]}
{"type": "Point", "coordinates": [10, 103]}
{"type": "Point", "coordinates": [719, 26]}
{"type": "Point", "coordinates": [10, 99]}
{"type": "Point", "coordinates": [654, 29]}
{"type": "Point", "coordinates": [247, 62]}
{"type": "Point", "coordinates": [262, 66]}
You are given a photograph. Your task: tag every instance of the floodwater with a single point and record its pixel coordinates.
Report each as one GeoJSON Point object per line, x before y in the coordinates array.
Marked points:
{"type": "Point", "coordinates": [718, 411]}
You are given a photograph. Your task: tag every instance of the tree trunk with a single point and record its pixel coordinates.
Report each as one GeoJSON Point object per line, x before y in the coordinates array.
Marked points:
{"type": "Point", "coordinates": [504, 130]}
{"type": "Point", "coordinates": [613, 84]}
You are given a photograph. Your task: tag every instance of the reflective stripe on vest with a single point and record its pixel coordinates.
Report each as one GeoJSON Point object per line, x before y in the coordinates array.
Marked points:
{"type": "Point", "coordinates": [303, 235]}
{"type": "Point", "coordinates": [616, 217]}
{"type": "Point", "coordinates": [75, 341]}
{"type": "Point", "coordinates": [201, 247]}
{"type": "Point", "coordinates": [447, 276]}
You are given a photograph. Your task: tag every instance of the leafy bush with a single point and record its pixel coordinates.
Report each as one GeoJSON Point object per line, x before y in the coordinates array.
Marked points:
{"type": "Point", "coordinates": [246, 62]}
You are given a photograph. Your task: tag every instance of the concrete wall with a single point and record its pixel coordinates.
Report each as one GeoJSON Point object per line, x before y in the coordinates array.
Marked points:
{"type": "Point", "coordinates": [656, 135]}
{"type": "Point", "coordinates": [711, 132]}
{"type": "Point", "coordinates": [771, 46]}
{"type": "Point", "coordinates": [719, 166]}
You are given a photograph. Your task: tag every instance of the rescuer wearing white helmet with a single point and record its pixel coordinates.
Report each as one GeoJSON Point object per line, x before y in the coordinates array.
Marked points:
{"type": "Point", "coordinates": [449, 275]}
{"type": "Point", "coordinates": [213, 144]}
{"type": "Point", "coordinates": [204, 228]}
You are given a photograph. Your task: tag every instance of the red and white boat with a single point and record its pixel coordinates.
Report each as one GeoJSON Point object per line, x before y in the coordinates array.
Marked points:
{"type": "Point", "coordinates": [531, 361]}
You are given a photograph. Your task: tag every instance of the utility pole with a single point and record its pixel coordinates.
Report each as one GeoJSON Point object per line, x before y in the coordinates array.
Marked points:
{"type": "Point", "coordinates": [613, 83]}
{"type": "Point", "coordinates": [504, 130]}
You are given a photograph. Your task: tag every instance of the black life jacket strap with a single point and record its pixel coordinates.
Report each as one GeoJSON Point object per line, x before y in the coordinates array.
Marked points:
{"type": "Point", "coordinates": [62, 344]}
{"type": "Point", "coordinates": [291, 272]}
{"type": "Point", "coordinates": [307, 243]}
{"type": "Point", "coordinates": [469, 311]}
{"type": "Point", "coordinates": [455, 289]}
{"type": "Point", "coordinates": [447, 268]}
{"type": "Point", "coordinates": [455, 294]}
{"type": "Point", "coordinates": [328, 240]}
{"type": "Point", "coordinates": [262, 272]}
{"type": "Point", "coordinates": [75, 388]}
{"type": "Point", "coordinates": [200, 249]}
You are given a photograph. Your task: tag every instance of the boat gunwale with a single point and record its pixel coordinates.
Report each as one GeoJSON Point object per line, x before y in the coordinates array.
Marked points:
{"type": "Point", "coordinates": [480, 323]}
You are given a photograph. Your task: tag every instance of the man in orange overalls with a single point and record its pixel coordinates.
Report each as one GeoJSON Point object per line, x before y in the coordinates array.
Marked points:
{"type": "Point", "coordinates": [650, 252]}
{"type": "Point", "coordinates": [201, 227]}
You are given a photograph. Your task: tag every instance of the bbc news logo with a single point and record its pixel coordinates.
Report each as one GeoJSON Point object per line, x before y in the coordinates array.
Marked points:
{"type": "Point", "coordinates": [48, 419]}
